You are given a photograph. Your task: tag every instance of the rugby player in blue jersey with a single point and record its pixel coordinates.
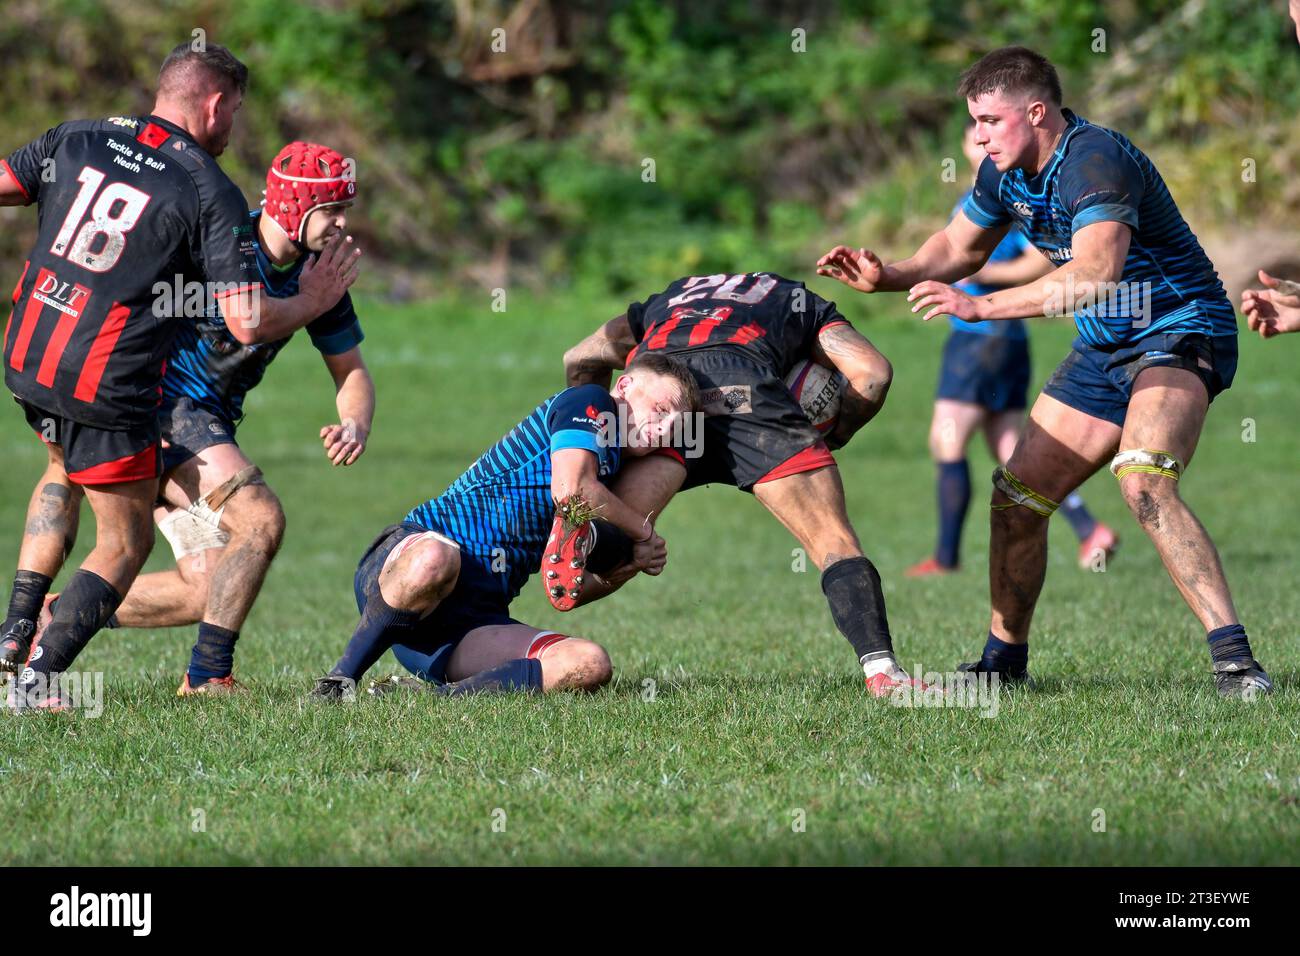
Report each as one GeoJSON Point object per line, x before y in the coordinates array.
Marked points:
{"type": "Point", "coordinates": [1157, 340]}
{"type": "Point", "coordinates": [437, 587]}
{"type": "Point", "coordinates": [984, 384]}
{"type": "Point", "coordinates": [223, 522]}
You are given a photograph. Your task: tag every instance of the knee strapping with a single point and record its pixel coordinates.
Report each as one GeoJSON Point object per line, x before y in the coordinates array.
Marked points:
{"type": "Point", "coordinates": [1021, 494]}
{"type": "Point", "coordinates": [543, 642]}
{"type": "Point", "coordinates": [1145, 461]}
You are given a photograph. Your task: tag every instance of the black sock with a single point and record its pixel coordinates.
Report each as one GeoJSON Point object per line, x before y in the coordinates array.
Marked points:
{"type": "Point", "coordinates": [111, 623]}
{"type": "Point", "coordinates": [30, 588]}
{"type": "Point", "coordinates": [213, 655]}
{"type": "Point", "coordinates": [611, 549]}
{"type": "Point", "coordinates": [523, 674]}
{"type": "Point", "coordinates": [1230, 644]}
{"type": "Point", "coordinates": [954, 502]}
{"type": "Point", "coordinates": [1003, 657]}
{"type": "Point", "coordinates": [85, 604]}
{"type": "Point", "coordinates": [379, 629]}
{"type": "Point", "coordinates": [852, 587]}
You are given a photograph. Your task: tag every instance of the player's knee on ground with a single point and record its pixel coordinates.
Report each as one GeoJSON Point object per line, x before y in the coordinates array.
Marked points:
{"type": "Point", "coordinates": [571, 663]}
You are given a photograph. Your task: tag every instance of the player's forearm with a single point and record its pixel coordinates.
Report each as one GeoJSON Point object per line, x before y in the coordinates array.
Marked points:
{"type": "Point", "coordinates": [859, 403]}
{"type": "Point", "coordinates": [590, 363]}
{"type": "Point", "coordinates": [608, 505]}
{"type": "Point", "coordinates": [266, 319]}
{"type": "Point", "coordinates": [937, 259]}
{"type": "Point", "coordinates": [355, 401]}
{"type": "Point", "coordinates": [1060, 292]}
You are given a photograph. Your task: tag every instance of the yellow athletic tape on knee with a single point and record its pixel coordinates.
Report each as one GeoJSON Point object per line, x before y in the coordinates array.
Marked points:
{"type": "Point", "coordinates": [1145, 461]}
{"type": "Point", "coordinates": [1021, 494]}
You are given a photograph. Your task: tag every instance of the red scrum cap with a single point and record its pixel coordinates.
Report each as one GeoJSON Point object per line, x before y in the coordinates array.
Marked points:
{"type": "Point", "coordinates": [303, 177]}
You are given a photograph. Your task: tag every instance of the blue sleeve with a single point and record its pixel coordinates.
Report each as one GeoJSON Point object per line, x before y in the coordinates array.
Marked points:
{"type": "Point", "coordinates": [983, 206]}
{"type": "Point", "coordinates": [1100, 182]}
{"type": "Point", "coordinates": [575, 419]}
{"type": "Point", "coordinates": [338, 330]}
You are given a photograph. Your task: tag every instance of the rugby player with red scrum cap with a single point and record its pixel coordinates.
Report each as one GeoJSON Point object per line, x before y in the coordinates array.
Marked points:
{"type": "Point", "coordinates": [223, 522]}
{"type": "Point", "coordinates": [128, 205]}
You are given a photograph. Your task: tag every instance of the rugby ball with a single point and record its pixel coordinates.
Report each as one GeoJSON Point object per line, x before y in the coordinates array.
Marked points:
{"type": "Point", "coordinates": [817, 390]}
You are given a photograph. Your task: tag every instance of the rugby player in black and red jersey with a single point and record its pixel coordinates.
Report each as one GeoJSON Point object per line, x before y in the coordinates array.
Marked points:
{"type": "Point", "coordinates": [740, 335]}
{"type": "Point", "coordinates": [127, 205]}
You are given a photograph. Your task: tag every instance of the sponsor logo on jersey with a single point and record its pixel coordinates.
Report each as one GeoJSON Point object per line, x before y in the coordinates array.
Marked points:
{"type": "Point", "coordinates": [123, 121]}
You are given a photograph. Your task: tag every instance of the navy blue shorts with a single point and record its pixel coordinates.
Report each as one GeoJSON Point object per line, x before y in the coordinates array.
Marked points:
{"type": "Point", "coordinates": [991, 371]}
{"type": "Point", "coordinates": [189, 428]}
{"type": "Point", "coordinates": [474, 602]}
{"type": "Point", "coordinates": [1100, 383]}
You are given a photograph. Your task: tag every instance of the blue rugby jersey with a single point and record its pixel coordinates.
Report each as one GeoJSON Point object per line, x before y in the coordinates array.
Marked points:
{"type": "Point", "coordinates": [500, 509]}
{"type": "Point", "coordinates": [1097, 175]}
{"type": "Point", "coordinates": [1011, 247]}
{"type": "Point", "coordinates": [210, 366]}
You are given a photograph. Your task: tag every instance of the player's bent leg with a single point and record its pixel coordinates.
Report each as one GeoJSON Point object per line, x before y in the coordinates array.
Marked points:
{"type": "Point", "coordinates": [1166, 414]}
{"type": "Point", "coordinates": [1060, 448]}
{"type": "Point", "coordinates": [123, 538]}
{"type": "Point", "coordinates": [176, 597]}
{"type": "Point", "coordinates": [399, 582]}
{"type": "Point", "coordinates": [48, 537]}
{"type": "Point", "coordinates": [566, 663]}
{"type": "Point", "coordinates": [227, 531]}
{"type": "Point", "coordinates": [811, 506]}
{"type": "Point", "coordinates": [1097, 541]}
{"type": "Point", "coordinates": [951, 427]}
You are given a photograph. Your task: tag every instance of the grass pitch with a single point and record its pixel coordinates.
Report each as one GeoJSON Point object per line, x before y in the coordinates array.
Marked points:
{"type": "Point", "coordinates": [737, 729]}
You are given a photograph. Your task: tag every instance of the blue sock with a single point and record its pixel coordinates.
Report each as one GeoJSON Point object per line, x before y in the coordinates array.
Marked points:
{"type": "Point", "coordinates": [1230, 643]}
{"type": "Point", "coordinates": [213, 654]}
{"type": "Point", "coordinates": [1004, 657]}
{"type": "Point", "coordinates": [380, 627]}
{"type": "Point", "coordinates": [1077, 513]}
{"type": "Point", "coordinates": [523, 674]}
{"type": "Point", "coordinates": [954, 501]}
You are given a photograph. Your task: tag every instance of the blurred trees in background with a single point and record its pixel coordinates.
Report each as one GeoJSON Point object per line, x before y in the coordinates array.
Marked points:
{"type": "Point", "coordinates": [610, 142]}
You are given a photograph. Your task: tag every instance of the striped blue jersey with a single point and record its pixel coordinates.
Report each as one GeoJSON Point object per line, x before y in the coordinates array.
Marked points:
{"type": "Point", "coordinates": [500, 510]}
{"type": "Point", "coordinates": [210, 366]}
{"type": "Point", "coordinates": [1097, 175]}
{"type": "Point", "coordinates": [1012, 247]}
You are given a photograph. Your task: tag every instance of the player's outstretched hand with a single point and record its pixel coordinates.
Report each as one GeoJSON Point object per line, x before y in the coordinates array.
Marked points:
{"type": "Point", "coordinates": [344, 444]}
{"type": "Point", "coordinates": [942, 299]}
{"type": "Point", "coordinates": [859, 269]}
{"type": "Point", "coordinates": [1273, 310]}
{"type": "Point", "coordinates": [651, 554]}
{"type": "Point", "coordinates": [331, 273]}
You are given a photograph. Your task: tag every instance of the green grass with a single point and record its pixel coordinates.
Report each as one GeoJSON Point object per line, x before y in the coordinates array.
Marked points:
{"type": "Point", "coordinates": [758, 710]}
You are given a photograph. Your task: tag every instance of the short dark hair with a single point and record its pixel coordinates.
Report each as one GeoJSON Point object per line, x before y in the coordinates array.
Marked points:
{"type": "Point", "coordinates": [1013, 69]}
{"type": "Point", "coordinates": [670, 366]}
{"type": "Point", "coordinates": [214, 63]}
